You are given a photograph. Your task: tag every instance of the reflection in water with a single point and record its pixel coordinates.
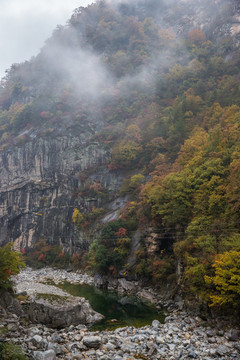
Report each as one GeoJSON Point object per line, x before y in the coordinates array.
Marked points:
{"type": "Point", "coordinates": [119, 311]}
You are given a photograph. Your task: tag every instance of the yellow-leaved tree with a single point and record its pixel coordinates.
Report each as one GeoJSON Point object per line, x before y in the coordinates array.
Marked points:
{"type": "Point", "coordinates": [225, 284]}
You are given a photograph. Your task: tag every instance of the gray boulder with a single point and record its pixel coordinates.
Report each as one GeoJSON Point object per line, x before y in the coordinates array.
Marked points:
{"type": "Point", "coordinates": [156, 324]}
{"type": "Point", "coordinates": [222, 350]}
{"type": "Point", "coordinates": [58, 313]}
{"type": "Point", "coordinates": [233, 335]}
{"type": "Point", "coordinates": [44, 355]}
{"type": "Point", "coordinates": [55, 308]}
{"type": "Point", "coordinates": [92, 341]}
{"type": "Point", "coordinates": [37, 340]}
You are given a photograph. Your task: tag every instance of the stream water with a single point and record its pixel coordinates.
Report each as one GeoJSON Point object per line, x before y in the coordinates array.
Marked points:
{"type": "Point", "coordinates": [119, 310]}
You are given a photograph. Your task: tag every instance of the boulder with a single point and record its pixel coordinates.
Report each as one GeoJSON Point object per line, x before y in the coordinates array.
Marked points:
{"type": "Point", "coordinates": [12, 327]}
{"type": "Point", "coordinates": [233, 335]}
{"type": "Point", "coordinates": [92, 341]}
{"type": "Point", "coordinates": [222, 350]}
{"type": "Point", "coordinates": [125, 286]}
{"type": "Point", "coordinates": [211, 333]}
{"type": "Point", "coordinates": [156, 324]}
{"type": "Point", "coordinates": [7, 301]}
{"type": "Point", "coordinates": [100, 282]}
{"type": "Point", "coordinates": [60, 312]}
{"type": "Point", "coordinates": [57, 309]}
{"type": "Point", "coordinates": [37, 340]}
{"type": "Point", "coordinates": [44, 355]}
{"type": "Point", "coordinates": [55, 347]}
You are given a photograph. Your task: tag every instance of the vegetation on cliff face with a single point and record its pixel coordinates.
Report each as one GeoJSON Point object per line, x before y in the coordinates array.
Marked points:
{"type": "Point", "coordinates": [167, 107]}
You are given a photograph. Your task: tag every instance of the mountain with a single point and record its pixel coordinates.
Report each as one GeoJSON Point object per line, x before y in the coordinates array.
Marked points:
{"type": "Point", "coordinates": [120, 145]}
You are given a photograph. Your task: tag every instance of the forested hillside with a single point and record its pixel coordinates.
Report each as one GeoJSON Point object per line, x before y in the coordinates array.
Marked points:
{"type": "Point", "coordinates": [155, 86]}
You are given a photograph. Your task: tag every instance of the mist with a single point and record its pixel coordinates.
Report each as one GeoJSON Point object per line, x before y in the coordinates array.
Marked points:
{"type": "Point", "coordinates": [86, 69]}
{"type": "Point", "coordinates": [82, 68]}
{"type": "Point", "coordinates": [26, 24]}
{"type": "Point", "coordinates": [68, 58]}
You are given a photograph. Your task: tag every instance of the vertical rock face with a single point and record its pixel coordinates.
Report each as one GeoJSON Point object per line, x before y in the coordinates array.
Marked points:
{"type": "Point", "coordinates": [217, 18]}
{"type": "Point", "coordinates": [37, 184]}
{"type": "Point", "coordinates": [48, 160]}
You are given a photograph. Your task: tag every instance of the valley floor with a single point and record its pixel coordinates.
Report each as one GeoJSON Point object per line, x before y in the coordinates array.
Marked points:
{"type": "Point", "coordinates": [181, 337]}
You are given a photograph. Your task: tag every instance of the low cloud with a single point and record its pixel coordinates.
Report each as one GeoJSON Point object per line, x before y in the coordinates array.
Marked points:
{"type": "Point", "coordinates": [26, 24]}
{"type": "Point", "coordinates": [82, 68]}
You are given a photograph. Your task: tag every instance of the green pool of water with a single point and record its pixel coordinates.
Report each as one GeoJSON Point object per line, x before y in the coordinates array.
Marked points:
{"type": "Point", "coordinates": [119, 311]}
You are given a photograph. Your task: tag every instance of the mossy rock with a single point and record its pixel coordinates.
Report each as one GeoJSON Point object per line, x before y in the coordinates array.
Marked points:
{"type": "Point", "coordinates": [53, 298]}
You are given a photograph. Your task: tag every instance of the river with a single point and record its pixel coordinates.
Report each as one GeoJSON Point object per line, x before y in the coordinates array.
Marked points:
{"type": "Point", "coordinates": [119, 310]}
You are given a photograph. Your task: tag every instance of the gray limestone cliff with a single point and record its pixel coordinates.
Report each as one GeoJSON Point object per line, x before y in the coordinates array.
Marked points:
{"type": "Point", "coordinates": [37, 184]}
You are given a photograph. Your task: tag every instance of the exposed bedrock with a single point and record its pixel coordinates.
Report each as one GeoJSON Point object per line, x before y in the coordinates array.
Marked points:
{"type": "Point", "coordinates": [49, 305]}
{"type": "Point", "coordinates": [38, 186]}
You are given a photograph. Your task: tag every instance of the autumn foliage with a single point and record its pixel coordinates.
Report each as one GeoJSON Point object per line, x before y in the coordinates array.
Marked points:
{"type": "Point", "coordinates": [11, 263]}
{"type": "Point", "coordinates": [225, 283]}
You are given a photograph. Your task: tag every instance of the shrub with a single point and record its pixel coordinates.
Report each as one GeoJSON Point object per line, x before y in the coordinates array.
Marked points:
{"type": "Point", "coordinates": [11, 352]}
{"type": "Point", "coordinates": [44, 254]}
{"type": "Point", "coordinates": [10, 264]}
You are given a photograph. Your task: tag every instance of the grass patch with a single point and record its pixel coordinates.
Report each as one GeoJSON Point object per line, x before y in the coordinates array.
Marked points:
{"type": "Point", "coordinates": [52, 298]}
{"type": "Point", "coordinates": [22, 298]}
{"type": "Point", "coordinates": [48, 281]}
{"type": "Point", "coordinates": [10, 351]}
{"type": "Point", "coordinates": [3, 331]}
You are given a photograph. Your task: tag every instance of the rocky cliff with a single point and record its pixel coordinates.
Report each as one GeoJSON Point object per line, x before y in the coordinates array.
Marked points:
{"type": "Point", "coordinates": [37, 184]}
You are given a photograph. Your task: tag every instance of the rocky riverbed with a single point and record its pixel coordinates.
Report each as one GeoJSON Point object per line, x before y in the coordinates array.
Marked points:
{"type": "Point", "coordinates": [32, 280]}
{"type": "Point", "coordinates": [181, 337]}
{"type": "Point", "coordinates": [48, 275]}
